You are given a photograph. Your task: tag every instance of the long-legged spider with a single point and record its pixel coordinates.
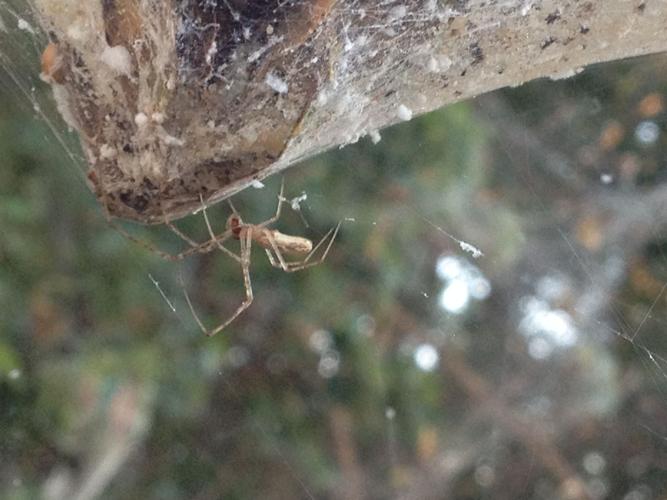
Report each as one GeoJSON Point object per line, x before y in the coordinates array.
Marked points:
{"type": "Point", "coordinates": [275, 244]}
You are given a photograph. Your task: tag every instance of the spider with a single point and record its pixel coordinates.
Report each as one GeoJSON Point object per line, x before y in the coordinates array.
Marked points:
{"type": "Point", "coordinates": [275, 244]}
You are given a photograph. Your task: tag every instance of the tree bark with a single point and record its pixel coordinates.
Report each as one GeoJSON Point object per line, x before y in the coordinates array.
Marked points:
{"type": "Point", "coordinates": [182, 101]}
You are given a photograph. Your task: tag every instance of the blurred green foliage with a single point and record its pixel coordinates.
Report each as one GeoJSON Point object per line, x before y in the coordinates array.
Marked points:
{"type": "Point", "coordinates": [314, 391]}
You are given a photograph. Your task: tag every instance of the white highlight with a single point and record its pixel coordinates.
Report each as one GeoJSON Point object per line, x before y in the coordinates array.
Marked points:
{"type": "Point", "coordinates": [276, 83]}
{"type": "Point", "coordinates": [463, 283]}
{"type": "Point", "coordinates": [439, 63]}
{"type": "Point", "coordinates": [606, 178]}
{"type": "Point", "coordinates": [118, 59]}
{"type": "Point", "coordinates": [107, 152]}
{"type": "Point", "coordinates": [594, 463]}
{"type": "Point", "coordinates": [170, 140]}
{"type": "Point", "coordinates": [295, 202]}
{"type": "Point", "coordinates": [546, 329]}
{"type": "Point", "coordinates": [525, 8]}
{"type": "Point", "coordinates": [164, 296]}
{"type": "Point", "coordinates": [320, 341]}
{"type": "Point", "coordinates": [210, 53]}
{"type": "Point", "coordinates": [397, 12]}
{"type": "Point", "coordinates": [25, 26]}
{"type": "Point", "coordinates": [140, 119]}
{"type": "Point", "coordinates": [426, 357]}
{"type": "Point", "coordinates": [455, 297]}
{"type": "Point", "coordinates": [647, 132]}
{"type": "Point", "coordinates": [404, 113]}
{"type": "Point", "coordinates": [329, 364]}
{"type": "Point", "coordinates": [474, 251]}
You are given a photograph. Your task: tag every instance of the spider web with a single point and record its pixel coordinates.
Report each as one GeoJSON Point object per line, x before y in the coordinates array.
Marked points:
{"type": "Point", "coordinates": [491, 316]}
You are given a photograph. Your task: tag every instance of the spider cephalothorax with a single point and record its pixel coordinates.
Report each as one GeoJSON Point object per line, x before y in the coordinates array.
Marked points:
{"type": "Point", "coordinates": [234, 224]}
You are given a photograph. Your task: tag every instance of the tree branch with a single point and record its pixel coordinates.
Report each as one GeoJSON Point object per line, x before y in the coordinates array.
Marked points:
{"type": "Point", "coordinates": [174, 100]}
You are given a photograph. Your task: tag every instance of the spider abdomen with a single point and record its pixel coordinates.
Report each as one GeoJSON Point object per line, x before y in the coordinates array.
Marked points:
{"type": "Point", "coordinates": [284, 242]}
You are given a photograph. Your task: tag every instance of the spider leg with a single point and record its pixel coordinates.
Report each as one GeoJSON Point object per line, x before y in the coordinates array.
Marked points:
{"type": "Point", "coordinates": [150, 246]}
{"type": "Point", "coordinates": [246, 242]}
{"type": "Point", "coordinates": [272, 259]}
{"type": "Point", "coordinates": [281, 200]}
{"type": "Point", "coordinates": [245, 267]}
{"type": "Point", "coordinates": [304, 264]}
{"type": "Point", "coordinates": [192, 309]}
{"type": "Point", "coordinates": [220, 238]}
{"type": "Point", "coordinates": [231, 205]}
{"type": "Point", "coordinates": [195, 247]}
{"type": "Point", "coordinates": [276, 251]}
{"type": "Point", "coordinates": [181, 234]}
{"type": "Point", "coordinates": [147, 245]}
{"type": "Point", "coordinates": [333, 230]}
